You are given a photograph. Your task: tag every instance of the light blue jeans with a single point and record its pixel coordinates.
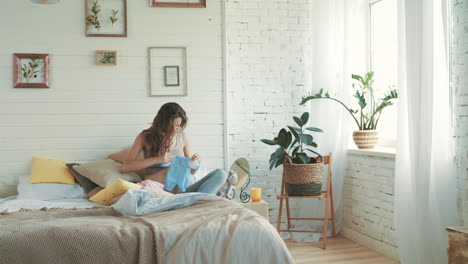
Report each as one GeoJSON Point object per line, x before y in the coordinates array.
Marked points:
{"type": "Point", "coordinates": [211, 183]}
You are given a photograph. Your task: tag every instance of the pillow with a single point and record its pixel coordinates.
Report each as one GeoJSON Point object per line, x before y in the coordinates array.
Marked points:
{"type": "Point", "coordinates": [105, 172]}
{"type": "Point", "coordinates": [121, 156]}
{"type": "Point", "coordinates": [50, 171]}
{"type": "Point", "coordinates": [108, 195]}
{"type": "Point", "coordinates": [48, 191]}
{"type": "Point", "coordinates": [86, 184]}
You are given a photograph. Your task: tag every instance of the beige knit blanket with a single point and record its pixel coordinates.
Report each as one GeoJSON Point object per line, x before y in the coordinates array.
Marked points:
{"type": "Point", "coordinates": [96, 235]}
{"type": "Point", "coordinates": [213, 230]}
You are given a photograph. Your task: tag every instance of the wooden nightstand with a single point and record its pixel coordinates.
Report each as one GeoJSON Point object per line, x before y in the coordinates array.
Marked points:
{"type": "Point", "coordinates": [261, 208]}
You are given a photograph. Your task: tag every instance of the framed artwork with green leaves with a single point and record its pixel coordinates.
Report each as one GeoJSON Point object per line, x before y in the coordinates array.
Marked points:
{"type": "Point", "coordinates": [106, 18]}
{"type": "Point", "coordinates": [106, 57]}
{"type": "Point", "coordinates": [30, 70]}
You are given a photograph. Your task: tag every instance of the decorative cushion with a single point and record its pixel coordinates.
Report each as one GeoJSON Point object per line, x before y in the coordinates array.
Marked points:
{"type": "Point", "coordinates": [108, 195]}
{"type": "Point", "coordinates": [85, 183]}
{"type": "Point", "coordinates": [50, 171]}
{"type": "Point", "coordinates": [50, 191]}
{"type": "Point", "coordinates": [105, 172]}
{"type": "Point", "coordinates": [121, 156]}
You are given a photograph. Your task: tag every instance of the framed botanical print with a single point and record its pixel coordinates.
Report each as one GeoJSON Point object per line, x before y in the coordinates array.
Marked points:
{"type": "Point", "coordinates": [30, 70]}
{"type": "Point", "coordinates": [168, 71]}
{"type": "Point", "coordinates": [106, 57]}
{"type": "Point", "coordinates": [179, 3]}
{"type": "Point", "coordinates": [106, 18]}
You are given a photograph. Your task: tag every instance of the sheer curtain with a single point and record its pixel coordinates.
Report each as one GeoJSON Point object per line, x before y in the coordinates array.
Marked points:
{"type": "Point", "coordinates": [339, 48]}
{"type": "Point", "coordinates": [425, 186]}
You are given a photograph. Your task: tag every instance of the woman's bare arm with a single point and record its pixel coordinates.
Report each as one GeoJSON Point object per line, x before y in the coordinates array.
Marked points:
{"type": "Point", "coordinates": [132, 164]}
{"type": "Point", "coordinates": [188, 153]}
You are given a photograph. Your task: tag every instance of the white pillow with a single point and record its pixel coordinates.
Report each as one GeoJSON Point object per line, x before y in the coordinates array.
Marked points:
{"type": "Point", "coordinates": [48, 191]}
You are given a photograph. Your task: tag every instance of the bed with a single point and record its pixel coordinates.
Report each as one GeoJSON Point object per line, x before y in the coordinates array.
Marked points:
{"type": "Point", "coordinates": [210, 230]}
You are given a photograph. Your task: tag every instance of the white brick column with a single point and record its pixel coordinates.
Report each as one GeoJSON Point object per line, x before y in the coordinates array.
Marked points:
{"type": "Point", "coordinates": [459, 83]}
{"type": "Point", "coordinates": [268, 71]}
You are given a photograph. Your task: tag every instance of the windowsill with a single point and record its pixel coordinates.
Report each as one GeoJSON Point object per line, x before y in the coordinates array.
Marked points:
{"type": "Point", "coordinates": [382, 152]}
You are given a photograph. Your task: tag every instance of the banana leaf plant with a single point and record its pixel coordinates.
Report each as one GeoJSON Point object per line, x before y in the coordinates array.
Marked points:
{"type": "Point", "coordinates": [295, 144]}
{"type": "Point", "coordinates": [365, 118]}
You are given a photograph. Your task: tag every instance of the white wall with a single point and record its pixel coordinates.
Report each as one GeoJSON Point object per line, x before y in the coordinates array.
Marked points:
{"type": "Point", "coordinates": [459, 76]}
{"type": "Point", "coordinates": [268, 43]}
{"type": "Point", "coordinates": [90, 111]}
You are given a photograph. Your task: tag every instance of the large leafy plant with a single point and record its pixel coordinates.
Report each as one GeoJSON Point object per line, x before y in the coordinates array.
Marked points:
{"type": "Point", "coordinates": [365, 118]}
{"type": "Point", "coordinates": [294, 144]}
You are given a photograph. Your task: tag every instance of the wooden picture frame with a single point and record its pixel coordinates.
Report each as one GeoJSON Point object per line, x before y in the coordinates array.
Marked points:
{"type": "Point", "coordinates": [106, 57]}
{"type": "Point", "coordinates": [178, 3]}
{"type": "Point", "coordinates": [171, 76]}
{"type": "Point", "coordinates": [168, 71]}
{"type": "Point", "coordinates": [30, 70]}
{"type": "Point", "coordinates": [110, 21]}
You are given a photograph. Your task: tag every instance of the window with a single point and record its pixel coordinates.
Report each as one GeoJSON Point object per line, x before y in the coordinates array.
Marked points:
{"type": "Point", "coordinates": [384, 62]}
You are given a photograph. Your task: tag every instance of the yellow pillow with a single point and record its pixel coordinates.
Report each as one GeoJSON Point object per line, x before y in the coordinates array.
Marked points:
{"type": "Point", "coordinates": [50, 171]}
{"type": "Point", "coordinates": [106, 196]}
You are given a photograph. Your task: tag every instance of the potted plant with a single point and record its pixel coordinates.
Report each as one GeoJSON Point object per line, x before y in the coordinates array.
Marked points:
{"type": "Point", "coordinates": [301, 172]}
{"type": "Point", "coordinates": [368, 115]}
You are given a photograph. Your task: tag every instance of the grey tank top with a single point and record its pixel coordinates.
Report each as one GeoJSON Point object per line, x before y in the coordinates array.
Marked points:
{"type": "Point", "coordinates": [176, 149]}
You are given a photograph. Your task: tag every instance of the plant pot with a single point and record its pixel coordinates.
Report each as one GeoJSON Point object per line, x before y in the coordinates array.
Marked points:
{"type": "Point", "coordinates": [366, 139]}
{"type": "Point", "coordinates": [303, 179]}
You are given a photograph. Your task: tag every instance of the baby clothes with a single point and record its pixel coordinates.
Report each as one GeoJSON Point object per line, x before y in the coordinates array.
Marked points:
{"type": "Point", "coordinates": [179, 173]}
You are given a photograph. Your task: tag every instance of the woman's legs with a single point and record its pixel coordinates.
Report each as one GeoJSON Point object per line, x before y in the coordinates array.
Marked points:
{"type": "Point", "coordinates": [211, 183]}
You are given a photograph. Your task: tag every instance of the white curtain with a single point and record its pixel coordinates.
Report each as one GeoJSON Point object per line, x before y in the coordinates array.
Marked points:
{"type": "Point", "coordinates": [425, 186]}
{"type": "Point", "coordinates": [339, 48]}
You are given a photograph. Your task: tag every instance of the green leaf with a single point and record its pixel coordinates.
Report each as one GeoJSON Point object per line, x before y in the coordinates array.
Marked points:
{"type": "Point", "coordinates": [315, 129]}
{"type": "Point", "coordinates": [288, 140]}
{"type": "Point", "coordinates": [305, 159]}
{"type": "Point", "coordinates": [294, 152]}
{"type": "Point", "coordinates": [305, 118]}
{"type": "Point", "coordinates": [294, 143]}
{"type": "Point", "coordinates": [268, 142]}
{"type": "Point", "coordinates": [272, 163]}
{"type": "Point", "coordinates": [327, 95]}
{"type": "Point", "coordinates": [294, 132]}
{"type": "Point", "coordinates": [313, 144]}
{"type": "Point", "coordinates": [306, 139]}
{"type": "Point", "coordinates": [282, 137]}
{"type": "Point", "coordinates": [298, 121]}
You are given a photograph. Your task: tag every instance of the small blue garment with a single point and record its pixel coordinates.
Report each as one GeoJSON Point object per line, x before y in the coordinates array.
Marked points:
{"type": "Point", "coordinates": [179, 173]}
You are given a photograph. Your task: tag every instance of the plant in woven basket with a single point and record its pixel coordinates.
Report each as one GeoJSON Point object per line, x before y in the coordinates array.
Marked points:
{"type": "Point", "coordinates": [370, 109]}
{"type": "Point", "coordinates": [295, 144]}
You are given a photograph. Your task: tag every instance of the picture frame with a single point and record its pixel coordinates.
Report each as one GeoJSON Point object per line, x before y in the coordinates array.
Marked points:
{"type": "Point", "coordinates": [171, 76]}
{"type": "Point", "coordinates": [179, 3]}
{"type": "Point", "coordinates": [106, 57]}
{"type": "Point", "coordinates": [106, 18]}
{"type": "Point", "coordinates": [168, 71]}
{"type": "Point", "coordinates": [31, 70]}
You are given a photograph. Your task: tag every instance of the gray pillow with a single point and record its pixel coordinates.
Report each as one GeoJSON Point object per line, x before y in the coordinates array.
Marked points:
{"type": "Point", "coordinates": [105, 172]}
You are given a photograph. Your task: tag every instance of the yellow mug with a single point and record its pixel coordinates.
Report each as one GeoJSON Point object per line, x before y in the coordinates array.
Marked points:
{"type": "Point", "coordinates": [256, 194]}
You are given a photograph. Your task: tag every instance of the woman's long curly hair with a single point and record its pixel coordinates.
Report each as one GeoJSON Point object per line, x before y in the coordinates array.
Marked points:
{"type": "Point", "coordinates": [159, 136]}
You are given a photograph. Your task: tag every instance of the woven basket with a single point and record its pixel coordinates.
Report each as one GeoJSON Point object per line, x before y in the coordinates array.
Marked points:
{"type": "Point", "coordinates": [303, 179]}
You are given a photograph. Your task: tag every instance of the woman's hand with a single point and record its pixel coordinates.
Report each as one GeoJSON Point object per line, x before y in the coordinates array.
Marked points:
{"type": "Point", "coordinates": [165, 158]}
{"type": "Point", "coordinates": [196, 157]}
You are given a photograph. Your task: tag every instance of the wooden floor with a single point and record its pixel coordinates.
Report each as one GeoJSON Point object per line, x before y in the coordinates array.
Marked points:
{"type": "Point", "coordinates": [339, 250]}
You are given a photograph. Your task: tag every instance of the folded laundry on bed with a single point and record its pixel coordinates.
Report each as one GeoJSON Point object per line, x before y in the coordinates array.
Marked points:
{"type": "Point", "coordinates": [179, 173]}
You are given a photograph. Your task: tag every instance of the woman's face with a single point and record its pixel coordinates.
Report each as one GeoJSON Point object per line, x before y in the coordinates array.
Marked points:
{"type": "Point", "coordinates": [177, 123]}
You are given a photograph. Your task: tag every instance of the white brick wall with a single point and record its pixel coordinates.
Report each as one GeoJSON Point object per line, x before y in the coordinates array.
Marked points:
{"type": "Point", "coordinates": [267, 72]}
{"type": "Point", "coordinates": [459, 77]}
{"type": "Point", "coordinates": [368, 206]}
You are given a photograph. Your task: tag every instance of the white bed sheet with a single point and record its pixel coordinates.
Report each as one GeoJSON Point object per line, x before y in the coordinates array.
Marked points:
{"type": "Point", "coordinates": [12, 204]}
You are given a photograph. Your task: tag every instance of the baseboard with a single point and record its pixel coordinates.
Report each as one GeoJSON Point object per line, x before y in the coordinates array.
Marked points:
{"type": "Point", "coordinates": [383, 248]}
